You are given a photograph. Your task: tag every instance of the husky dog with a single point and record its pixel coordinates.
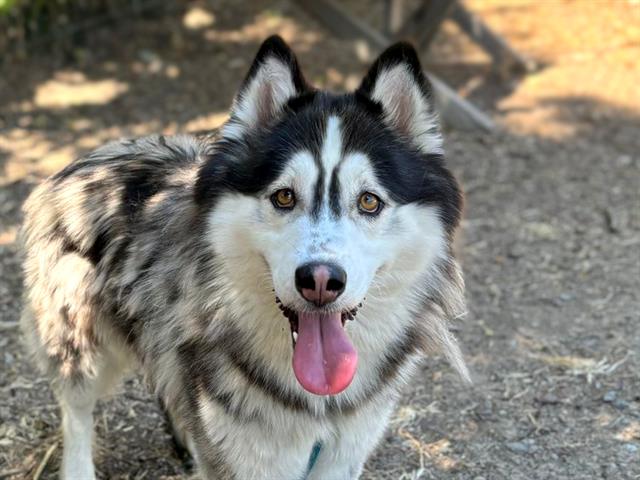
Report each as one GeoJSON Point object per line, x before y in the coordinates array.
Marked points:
{"type": "Point", "coordinates": [277, 284]}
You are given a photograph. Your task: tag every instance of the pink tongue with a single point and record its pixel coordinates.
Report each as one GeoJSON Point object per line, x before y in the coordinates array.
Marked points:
{"type": "Point", "coordinates": [324, 359]}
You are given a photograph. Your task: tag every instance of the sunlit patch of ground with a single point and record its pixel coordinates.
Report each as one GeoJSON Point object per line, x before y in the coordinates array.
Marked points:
{"type": "Point", "coordinates": [72, 89]}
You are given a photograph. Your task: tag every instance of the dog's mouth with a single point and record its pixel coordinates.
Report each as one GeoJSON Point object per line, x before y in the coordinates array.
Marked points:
{"type": "Point", "coordinates": [324, 359]}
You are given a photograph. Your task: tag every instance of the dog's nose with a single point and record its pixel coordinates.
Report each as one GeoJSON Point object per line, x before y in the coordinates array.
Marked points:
{"type": "Point", "coordinates": [320, 283]}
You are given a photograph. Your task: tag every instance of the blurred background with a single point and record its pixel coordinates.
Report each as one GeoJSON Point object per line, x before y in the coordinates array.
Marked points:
{"type": "Point", "coordinates": [550, 241]}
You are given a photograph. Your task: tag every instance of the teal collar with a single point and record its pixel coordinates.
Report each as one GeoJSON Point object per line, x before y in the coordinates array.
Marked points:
{"type": "Point", "coordinates": [313, 457]}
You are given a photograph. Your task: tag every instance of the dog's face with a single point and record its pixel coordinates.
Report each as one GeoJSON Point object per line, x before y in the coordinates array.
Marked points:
{"type": "Point", "coordinates": [329, 200]}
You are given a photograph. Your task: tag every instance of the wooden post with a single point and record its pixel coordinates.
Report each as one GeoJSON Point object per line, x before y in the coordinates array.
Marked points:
{"type": "Point", "coordinates": [454, 110]}
{"type": "Point", "coordinates": [504, 57]}
{"type": "Point", "coordinates": [394, 16]}
{"type": "Point", "coordinates": [425, 22]}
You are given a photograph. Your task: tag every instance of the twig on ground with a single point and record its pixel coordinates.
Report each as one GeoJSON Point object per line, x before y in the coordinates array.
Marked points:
{"type": "Point", "coordinates": [12, 472]}
{"type": "Point", "coordinates": [8, 325]}
{"type": "Point", "coordinates": [45, 460]}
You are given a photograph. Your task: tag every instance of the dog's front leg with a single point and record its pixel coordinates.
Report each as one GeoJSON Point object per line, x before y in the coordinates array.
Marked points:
{"type": "Point", "coordinates": [357, 434]}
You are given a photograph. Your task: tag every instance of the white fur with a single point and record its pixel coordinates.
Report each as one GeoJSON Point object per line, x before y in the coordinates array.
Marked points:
{"type": "Point", "coordinates": [77, 432]}
{"type": "Point", "coordinates": [331, 154]}
{"type": "Point", "coordinates": [343, 454]}
{"type": "Point", "coordinates": [77, 404]}
{"type": "Point", "coordinates": [287, 452]}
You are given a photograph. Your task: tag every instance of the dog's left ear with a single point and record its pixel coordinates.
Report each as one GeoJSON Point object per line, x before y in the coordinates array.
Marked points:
{"type": "Point", "coordinates": [396, 82]}
{"type": "Point", "coordinates": [273, 79]}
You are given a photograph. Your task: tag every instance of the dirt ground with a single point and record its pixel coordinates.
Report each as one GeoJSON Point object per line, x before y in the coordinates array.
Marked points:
{"type": "Point", "coordinates": [550, 243]}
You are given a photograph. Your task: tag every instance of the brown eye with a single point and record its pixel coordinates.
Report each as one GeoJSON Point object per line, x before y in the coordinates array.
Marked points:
{"type": "Point", "coordinates": [369, 203]}
{"type": "Point", "coordinates": [284, 198]}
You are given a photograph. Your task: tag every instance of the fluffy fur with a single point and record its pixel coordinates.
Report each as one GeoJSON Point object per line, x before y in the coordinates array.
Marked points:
{"type": "Point", "coordinates": [168, 253]}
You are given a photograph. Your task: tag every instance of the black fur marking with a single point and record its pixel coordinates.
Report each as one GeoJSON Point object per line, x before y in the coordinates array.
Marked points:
{"type": "Point", "coordinates": [120, 255]}
{"type": "Point", "coordinates": [318, 196]}
{"type": "Point", "coordinates": [67, 245]}
{"type": "Point", "coordinates": [139, 187]}
{"type": "Point", "coordinates": [95, 253]}
{"type": "Point", "coordinates": [210, 358]}
{"type": "Point", "coordinates": [66, 317]}
{"type": "Point", "coordinates": [334, 191]}
{"type": "Point", "coordinates": [91, 188]}
{"type": "Point", "coordinates": [70, 169]}
{"type": "Point", "coordinates": [260, 377]}
{"type": "Point", "coordinates": [296, 104]}
{"type": "Point", "coordinates": [396, 356]}
{"type": "Point", "coordinates": [229, 401]}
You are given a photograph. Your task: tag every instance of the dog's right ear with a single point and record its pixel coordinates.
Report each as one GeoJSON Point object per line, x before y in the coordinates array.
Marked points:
{"type": "Point", "coordinates": [395, 81]}
{"type": "Point", "coordinates": [273, 79]}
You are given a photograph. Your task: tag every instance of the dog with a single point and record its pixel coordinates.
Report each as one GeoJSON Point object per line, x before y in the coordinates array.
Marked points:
{"type": "Point", "coordinates": [277, 283]}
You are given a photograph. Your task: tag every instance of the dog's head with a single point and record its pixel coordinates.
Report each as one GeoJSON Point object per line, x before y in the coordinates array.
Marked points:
{"type": "Point", "coordinates": [330, 201]}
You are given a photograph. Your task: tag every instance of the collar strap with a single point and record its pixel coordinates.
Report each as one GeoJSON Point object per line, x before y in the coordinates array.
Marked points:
{"type": "Point", "coordinates": [313, 457]}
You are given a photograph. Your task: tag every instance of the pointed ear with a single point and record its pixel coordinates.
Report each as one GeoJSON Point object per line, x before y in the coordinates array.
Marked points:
{"type": "Point", "coordinates": [396, 82]}
{"type": "Point", "coordinates": [273, 79]}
